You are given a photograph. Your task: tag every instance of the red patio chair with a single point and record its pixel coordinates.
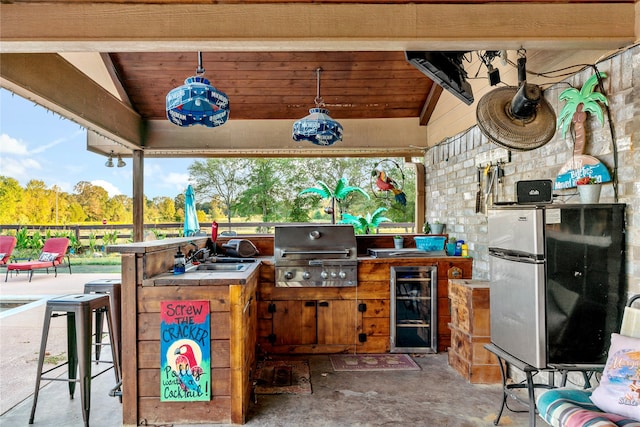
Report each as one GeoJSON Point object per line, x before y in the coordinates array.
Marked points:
{"type": "Point", "coordinates": [52, 255]}
{"type": "Point", "coordinates": [7, 244]}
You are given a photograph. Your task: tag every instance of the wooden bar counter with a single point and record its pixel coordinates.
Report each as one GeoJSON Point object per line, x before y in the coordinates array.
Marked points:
{"type": "Point", "coordinates": [146, 282]}
{"type": "Point", "coordinates": [248, 312]}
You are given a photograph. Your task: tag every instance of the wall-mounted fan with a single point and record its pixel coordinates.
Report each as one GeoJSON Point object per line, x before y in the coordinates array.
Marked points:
{"type": "Point", "coordinates": [517, 118]}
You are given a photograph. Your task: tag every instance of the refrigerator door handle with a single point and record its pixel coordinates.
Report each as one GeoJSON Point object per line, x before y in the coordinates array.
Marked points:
{"type": "Point", "coordinates": [516, 256]}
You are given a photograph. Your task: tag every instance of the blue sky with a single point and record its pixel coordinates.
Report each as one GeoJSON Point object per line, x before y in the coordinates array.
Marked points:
{"type": "Point", "coordinates": [38, 144]}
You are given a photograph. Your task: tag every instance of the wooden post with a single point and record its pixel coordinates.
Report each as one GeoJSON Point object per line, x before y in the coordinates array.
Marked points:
{"type": "Point", "coordinates": [138, 196]}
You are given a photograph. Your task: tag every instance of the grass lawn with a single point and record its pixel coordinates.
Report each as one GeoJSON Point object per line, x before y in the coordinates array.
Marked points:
{"type": "Point", "coordinates": [95, 263]}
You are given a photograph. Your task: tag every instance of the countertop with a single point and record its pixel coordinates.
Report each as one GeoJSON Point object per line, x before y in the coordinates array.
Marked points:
{"type": "Point", "coordinates": [205, 278]}
{"type": "Point", "coordinates": [156, 245]}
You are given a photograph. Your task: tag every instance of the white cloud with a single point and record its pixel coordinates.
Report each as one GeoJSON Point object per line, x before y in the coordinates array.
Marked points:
{"type": "Point", "coordinates": [179, 180]}
{"type": "Point", "coordinates": [11, 145]}
{"type": "Point", "coordinates": [45, 147]}
{"type": "Point", "coordinates": [111, 189]}
{"type": "Point", "coordinates": [19, 168]}
{"type": "Point", "coordinates": [173, 181]}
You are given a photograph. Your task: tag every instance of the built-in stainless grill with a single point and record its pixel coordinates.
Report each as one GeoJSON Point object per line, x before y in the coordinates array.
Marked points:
{"type": "Point", "coordinates": [315, 255]}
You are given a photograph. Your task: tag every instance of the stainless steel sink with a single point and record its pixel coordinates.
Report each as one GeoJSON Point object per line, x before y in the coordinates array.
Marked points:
{"type": "Point", "coordinates": [229, 267]}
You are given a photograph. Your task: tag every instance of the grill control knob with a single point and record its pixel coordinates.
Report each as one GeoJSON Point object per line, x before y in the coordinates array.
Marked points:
{"type": "Point", "coordinates": [306, 275]}
{"type": "Point", "coordinates": [288, 275]}
{"type": "Point", "coordinates": [342, 274]}
{"type": "Point", "coordinates": [324, 274]}
{"type": "Point", "coordinates": [334, 274]}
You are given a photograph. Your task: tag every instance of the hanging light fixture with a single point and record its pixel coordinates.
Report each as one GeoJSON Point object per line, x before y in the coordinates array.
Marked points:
{"type": "Point", "coordinates": [109, 162]}
{"type": "Point", "coordinates": [318, 127]}
{"type": "Point", "coordinates": [121, 162]}
{"type": "Point", "coordinates": [197, 102]}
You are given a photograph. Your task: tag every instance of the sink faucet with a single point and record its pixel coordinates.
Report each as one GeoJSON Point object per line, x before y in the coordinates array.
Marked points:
{"type": "Point", "coordinates": [196, 254]}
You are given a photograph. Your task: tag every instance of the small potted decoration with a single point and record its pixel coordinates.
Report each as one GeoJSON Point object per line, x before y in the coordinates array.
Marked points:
{"type": "Point", "coordinates": [437, 227]}
{"type": "Point", "coordinates": [398, 242]}
{"type": "Point", "coordinates": [589, 190]}
{"type": "Point", "coordinates": [451, 246]}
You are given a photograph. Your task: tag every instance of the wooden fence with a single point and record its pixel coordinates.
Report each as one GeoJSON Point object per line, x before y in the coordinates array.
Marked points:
{"type": "Point", "coordinates": [84, 233]}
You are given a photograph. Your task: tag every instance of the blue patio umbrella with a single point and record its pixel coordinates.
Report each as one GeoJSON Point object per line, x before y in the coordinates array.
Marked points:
{"type": "Point", "coordinates": [191, 225]}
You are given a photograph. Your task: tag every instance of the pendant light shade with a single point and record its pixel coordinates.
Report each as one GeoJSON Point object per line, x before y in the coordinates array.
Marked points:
{"type": "Point", "coordinates": [197, 102]}
{"type": "Point", "coordinates": [318, 127]}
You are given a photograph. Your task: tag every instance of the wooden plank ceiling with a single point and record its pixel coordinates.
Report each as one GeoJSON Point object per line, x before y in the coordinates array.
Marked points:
{"type": "Point", "coordinates": [263, 54]}
{"type": "Point", "coordinates": [281, 85]}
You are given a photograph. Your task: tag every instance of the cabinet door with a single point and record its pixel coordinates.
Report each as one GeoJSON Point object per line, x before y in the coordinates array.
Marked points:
{"type": "Point", "coordinates": [338, 322]}
{"type": "Point", "coordinates": [294, 322]}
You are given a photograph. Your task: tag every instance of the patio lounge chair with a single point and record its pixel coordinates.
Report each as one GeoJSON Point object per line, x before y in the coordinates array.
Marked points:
{"type": "Point", "coordinates": [7, 244]}
{"type": "Point", "coordinates": [606, 405]}
{"type": "Point", "coordinates": [52, 255]}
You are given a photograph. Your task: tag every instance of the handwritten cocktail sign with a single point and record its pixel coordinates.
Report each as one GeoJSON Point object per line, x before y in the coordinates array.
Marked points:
{"type": "Point", "coordinates": [185, 351]}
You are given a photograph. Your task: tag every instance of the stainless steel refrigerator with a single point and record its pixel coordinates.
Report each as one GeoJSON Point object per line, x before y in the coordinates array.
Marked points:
{"type": "Point", "coordinates": [557, 281]}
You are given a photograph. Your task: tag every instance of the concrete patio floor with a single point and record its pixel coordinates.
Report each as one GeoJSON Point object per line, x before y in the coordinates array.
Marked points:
{"type": "Point", "coordinates": [434, 396]}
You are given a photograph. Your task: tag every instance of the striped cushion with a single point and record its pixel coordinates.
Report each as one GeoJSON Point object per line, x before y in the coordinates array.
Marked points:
{"type": "Point", "coordinates": [563, 407]}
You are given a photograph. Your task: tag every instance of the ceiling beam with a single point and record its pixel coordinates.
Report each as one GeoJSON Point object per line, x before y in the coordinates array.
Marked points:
{"type": "Point", "coordinates": [272, 138]}
{"type": "Point", "coordinates": [430, 104]}
{"type": "Point", "coordinates": [113, 27]}
{"type": "Point", "coordinates": [49, 80]}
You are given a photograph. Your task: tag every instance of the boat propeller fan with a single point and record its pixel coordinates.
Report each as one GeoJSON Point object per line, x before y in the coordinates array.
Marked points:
{"type": "Point", "coordinates": [516, 118]}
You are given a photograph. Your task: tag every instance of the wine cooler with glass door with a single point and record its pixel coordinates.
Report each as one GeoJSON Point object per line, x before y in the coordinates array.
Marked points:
{"type": "Point", "coordinates": [414, 309]}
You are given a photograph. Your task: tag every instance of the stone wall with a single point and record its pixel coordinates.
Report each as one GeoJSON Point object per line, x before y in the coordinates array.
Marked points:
{"type": "Point", "coordinates": [451, 172]}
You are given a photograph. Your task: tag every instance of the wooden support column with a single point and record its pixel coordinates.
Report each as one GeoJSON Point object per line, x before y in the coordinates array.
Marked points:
{"type": "Point", "coordinates": [420, 197]}
{"type": "Point", "coordinates": [138, 196]}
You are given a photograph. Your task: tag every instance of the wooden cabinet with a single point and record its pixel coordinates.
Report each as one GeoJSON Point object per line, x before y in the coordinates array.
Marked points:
{"type": "Point", "coordinates": [324, 322]}
{"type": "Point", "coordinates": [321, 320]}
{"type": "Point", "coordinates": [346, 319]}
{"type": "Point", "coordinates": [470, 331]}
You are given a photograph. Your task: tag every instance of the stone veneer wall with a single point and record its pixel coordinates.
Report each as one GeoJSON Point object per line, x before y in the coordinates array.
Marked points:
{"type": "Point", "coordinates": [451, 172]}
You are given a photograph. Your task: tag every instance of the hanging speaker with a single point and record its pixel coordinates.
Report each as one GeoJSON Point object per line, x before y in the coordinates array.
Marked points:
{"type": "Point", "coordinates": [534, 192]}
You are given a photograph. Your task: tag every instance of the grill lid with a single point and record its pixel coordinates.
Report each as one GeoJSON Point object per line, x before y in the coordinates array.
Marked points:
{"type": "Point", "coordinates": [305, 242]}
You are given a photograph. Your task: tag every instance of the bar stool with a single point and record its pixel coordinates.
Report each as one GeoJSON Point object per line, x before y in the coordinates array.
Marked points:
{"type": "Point", "coordinates": [79, 309]}
{"type": "Point", "coordinates": [110, 287]}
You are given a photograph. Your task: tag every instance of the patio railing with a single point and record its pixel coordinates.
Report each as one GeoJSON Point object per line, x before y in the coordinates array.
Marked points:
{"type": "Point", "coordinates": [84, 233]}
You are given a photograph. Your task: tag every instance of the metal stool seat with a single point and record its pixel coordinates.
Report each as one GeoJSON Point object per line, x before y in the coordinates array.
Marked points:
{"type": "Point", "coordinates": [110, 287]}
{"type": "Point", "coordinates": [79, 309]}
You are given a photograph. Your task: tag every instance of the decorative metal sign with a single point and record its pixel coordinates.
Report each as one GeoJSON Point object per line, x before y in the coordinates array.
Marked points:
{"type": "Point", "coordinates": [185, 351]}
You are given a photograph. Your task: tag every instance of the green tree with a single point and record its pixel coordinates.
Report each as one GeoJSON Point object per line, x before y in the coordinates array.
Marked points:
{"type": "Point", "coordinates": [166, 208]}
{"type": "Point", "coordinates": [296, 211]}
{"type": "Point", "coordinates": [578, 104]}
{"type": "Point", "coordinates": [37, 202]}
{"type": "Point", "coordinates": [74, 213]}
{"type": "Point", "coordinates": [265, 192]}
{"type": "Point", "coordinates": [119, 209]}
{"type": "Point", "coordinates": [93, 200]}
{"type": "Point", "coordinates": [337, 195]}
{"type": "Point", "coordinates": [11, 194]}
{"type": "Point", "coordinates": [222, 180]}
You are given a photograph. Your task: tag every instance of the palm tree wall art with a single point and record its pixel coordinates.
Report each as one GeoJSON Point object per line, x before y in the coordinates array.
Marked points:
{"type": "Point", "coordinates": [577, 104]}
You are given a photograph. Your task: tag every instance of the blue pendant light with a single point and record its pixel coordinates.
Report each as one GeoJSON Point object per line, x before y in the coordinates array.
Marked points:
{"type": "Point", "coordinates": [318, 127]}
{"type": "Point", "coordinates": [197, 102]}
